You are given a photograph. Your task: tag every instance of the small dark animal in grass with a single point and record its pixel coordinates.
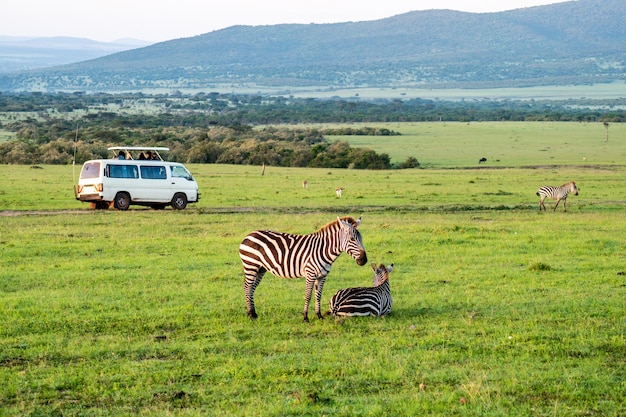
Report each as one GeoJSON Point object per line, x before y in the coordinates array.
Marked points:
{"type": "Point", "coordinates": [482, 160]}
{"type": "Point", "coordinates": [365, 301]}
{"type": "Point", "coordinates": [556, 193]}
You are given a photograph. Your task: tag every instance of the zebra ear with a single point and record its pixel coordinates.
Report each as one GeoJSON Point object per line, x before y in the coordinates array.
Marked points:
{"type": "Point", "coordinates": [345, 224]}
{"type": "Point", "coordinates": [358, 222]}
{"type": "Point", "coordinates": [374, 266]}
{"type": "Point", "coordinates": [390, 268]}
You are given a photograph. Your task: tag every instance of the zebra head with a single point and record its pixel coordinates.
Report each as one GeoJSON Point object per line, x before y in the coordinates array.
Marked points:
{"type": "Point", "coordinates": [351, 241]}
{"type": "Point", "coordinates": [572, 188]}
{"type": "Point", "coordinates": [381, 273]}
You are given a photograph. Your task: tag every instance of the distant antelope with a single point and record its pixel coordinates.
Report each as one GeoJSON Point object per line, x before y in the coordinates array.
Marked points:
{"type": "Point", "coordinates": [556, 193]}
{"type": "Point", "coordinates": [339, 192]}
{"type": "Point", "coordinates": [305, 184]}
{"type": "Point", "coordinates": [482, 160]}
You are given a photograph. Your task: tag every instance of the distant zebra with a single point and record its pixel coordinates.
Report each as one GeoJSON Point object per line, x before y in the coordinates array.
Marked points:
{"type": "Point", "coordinates": [365, 301]}
{"type": "Point", "coordinates": [556, 193]}
{"type": "Point", "coordinates": [295, 256]}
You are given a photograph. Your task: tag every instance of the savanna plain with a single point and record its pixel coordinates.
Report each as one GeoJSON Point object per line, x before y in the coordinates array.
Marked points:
{"type": "Point", "coordinates": [498, 309]}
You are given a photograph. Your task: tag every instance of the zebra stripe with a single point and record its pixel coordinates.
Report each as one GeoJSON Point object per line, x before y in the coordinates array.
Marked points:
{"type": "Point", "coordinates": [556, 193]}
{"type": "Point", "coordinates": [365, 301]}
{"type": "Point", "coordinates": [295, 256]}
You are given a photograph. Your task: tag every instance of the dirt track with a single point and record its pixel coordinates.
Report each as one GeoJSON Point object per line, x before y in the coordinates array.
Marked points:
{"type": "Point", "coordinates": [16, 213]}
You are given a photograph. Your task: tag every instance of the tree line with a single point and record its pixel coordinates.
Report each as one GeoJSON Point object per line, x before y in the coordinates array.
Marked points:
{"type": "Point", "coordinates": [220, 128]}
{"type": "Point", "coordinates": [52, 143]}
{"type": "Point", "coordinates": [203, 109]}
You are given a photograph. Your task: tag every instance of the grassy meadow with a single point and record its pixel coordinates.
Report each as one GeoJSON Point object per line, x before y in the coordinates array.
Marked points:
{"type": "Point", "coordinates": [504, 144]}
{"type": "Point", "coordinates": [499, 310]}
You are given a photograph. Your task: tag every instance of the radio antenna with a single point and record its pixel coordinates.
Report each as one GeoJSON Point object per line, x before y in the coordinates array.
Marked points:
{"type": "Point", "coordinates": [74, 161]}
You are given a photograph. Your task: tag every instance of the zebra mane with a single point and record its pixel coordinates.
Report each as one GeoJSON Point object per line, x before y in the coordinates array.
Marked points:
{"type": "Point", "coordinates": [333, 224]}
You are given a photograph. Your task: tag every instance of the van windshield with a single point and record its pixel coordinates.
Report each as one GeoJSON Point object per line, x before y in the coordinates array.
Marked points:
{"type": "Point", "coordinates": [90, 170]}
{"type": "Point", "coordinates": [180, 172]}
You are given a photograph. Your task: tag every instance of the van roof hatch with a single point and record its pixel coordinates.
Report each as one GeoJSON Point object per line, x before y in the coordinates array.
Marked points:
{"type": "Point", "coordinates": [128, 149]}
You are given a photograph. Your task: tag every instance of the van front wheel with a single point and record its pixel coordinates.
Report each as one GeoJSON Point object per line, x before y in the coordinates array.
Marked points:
{"type": "Point", "coordinates": [179, 202]}
{"type": "Point", "coordinates": [122, 201]}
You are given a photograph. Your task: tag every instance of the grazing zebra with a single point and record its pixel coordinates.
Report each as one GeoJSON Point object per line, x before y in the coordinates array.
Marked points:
{"type": "Point", "coordinates": [365, 301]}
{"type": "Point", "coordinates": [339, 192]}
{"type": "Point", "coordinates": [556, 193]}
{"type": "Point", "coordinates": [295, 256]}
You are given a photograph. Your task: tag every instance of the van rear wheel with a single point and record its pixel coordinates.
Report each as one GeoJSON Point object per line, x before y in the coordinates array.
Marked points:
{"type": "Point", "coordinates": [179, 202]}
{"type": "Point", "coordinates": [122, 201]}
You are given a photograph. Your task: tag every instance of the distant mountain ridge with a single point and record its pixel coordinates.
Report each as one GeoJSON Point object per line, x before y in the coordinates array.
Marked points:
{"type": "Point", "coordinates": [573, 42]}
{"type": "Point", "coordinates": [20, 53]}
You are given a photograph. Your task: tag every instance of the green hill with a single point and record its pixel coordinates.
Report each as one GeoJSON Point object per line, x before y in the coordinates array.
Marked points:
{"type": "Point", "coordinates": [573, 42]}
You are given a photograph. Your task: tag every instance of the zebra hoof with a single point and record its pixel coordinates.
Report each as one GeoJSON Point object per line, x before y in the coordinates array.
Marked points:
{"type": "Point", "coordinates": [306, 317]}
{"type": "Point", "coordinates": [252, 314]}
{"type": "Point", "coordinates": [320, 316]}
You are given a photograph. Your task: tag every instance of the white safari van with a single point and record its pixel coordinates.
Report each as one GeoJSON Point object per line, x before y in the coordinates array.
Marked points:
{"type": "Point", "coordinates": [136, 175]}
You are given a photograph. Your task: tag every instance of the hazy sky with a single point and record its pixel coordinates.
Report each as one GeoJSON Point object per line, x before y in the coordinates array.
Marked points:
{"type": "Point", "coordinates": [159, 20]}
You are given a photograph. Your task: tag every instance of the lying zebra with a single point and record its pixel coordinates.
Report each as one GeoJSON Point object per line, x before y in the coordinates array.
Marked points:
{"type": "Point", "coordinates": [365, 301]}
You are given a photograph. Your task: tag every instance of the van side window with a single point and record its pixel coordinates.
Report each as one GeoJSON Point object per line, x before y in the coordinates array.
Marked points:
{"type": "Point", "coordinates": [123, 171]}
{"type": "Point", "coordinates": [153, 172]}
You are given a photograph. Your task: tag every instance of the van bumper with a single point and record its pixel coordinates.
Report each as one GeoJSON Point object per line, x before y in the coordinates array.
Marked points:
{"type": "Point", "coordinates": [89, 197]}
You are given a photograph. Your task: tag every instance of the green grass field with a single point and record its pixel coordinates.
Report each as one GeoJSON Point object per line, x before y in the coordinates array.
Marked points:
{"type": "Point", "coordinates": [504, 144]}
{"type": "Point", "coordinates": [499, 310]}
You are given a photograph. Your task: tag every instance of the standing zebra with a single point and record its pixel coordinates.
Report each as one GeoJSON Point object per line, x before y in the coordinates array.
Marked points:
{"type": "Point", "coordinates": [365, 301]}
{"type": "Point", "coordinates": [295, 256]}
{"type": "Point", "coordinates": [556, 193]}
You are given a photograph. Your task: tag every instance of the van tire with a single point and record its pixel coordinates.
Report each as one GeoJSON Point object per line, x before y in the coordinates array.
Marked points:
{"type": "Point", "coordinates": [179, 202]}
{"type": "Point", "coordinates": [122, 201]}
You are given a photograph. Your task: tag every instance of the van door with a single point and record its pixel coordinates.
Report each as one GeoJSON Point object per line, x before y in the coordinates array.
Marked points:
{"type": "Point", "coordinates": [183, 181]}
{"type": "Point", "coordinates": [120, 177]}
{"type": "Point", "coordinates": [154, 184]}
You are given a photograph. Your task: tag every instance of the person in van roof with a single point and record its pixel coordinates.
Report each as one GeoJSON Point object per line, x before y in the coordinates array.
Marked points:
{"type": "Point", "coordinates": [142, 156]}
{"type": "Point", "coordinates": [121, 155]}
